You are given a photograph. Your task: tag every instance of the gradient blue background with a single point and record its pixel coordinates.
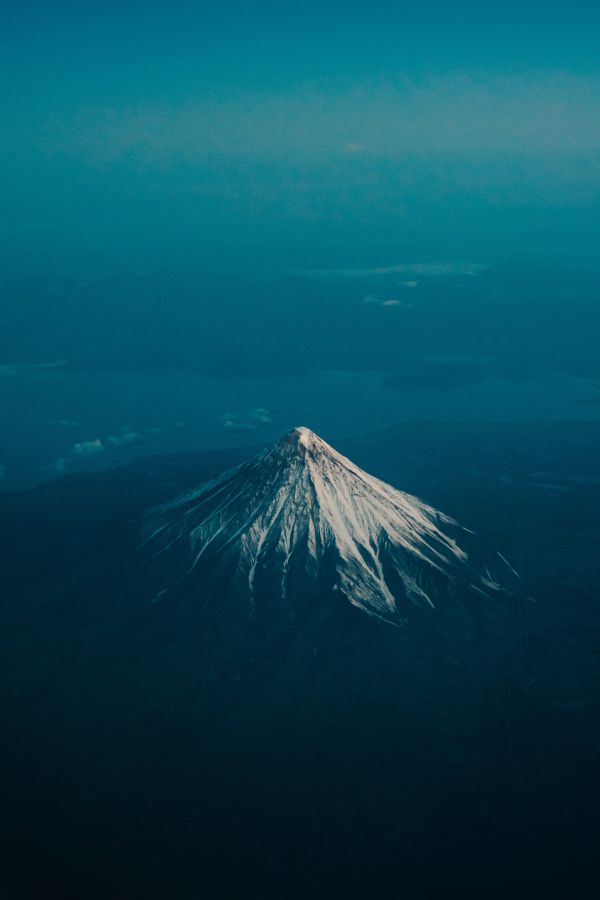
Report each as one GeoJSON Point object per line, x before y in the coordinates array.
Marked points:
{"type": "Point", "coordinates": [222, 220]}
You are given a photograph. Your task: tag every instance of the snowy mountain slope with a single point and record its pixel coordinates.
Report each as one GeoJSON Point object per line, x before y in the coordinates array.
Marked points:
{"type": "Point", "coordinates": [301, 511]}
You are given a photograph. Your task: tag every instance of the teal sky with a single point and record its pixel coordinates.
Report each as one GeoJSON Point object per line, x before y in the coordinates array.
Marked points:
{"type": "Point", "coordinates": [316, 121]}
{"type": "Point", "coordinates": [359, 212]}
{"type": "Point", "coordinates": [103, 51]}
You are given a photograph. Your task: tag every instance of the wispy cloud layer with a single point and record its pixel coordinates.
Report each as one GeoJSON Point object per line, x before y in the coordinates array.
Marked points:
{"type": "Point", "coordinates": [126, 436]}
{"type": "Point", "coordinates": [438, 269]}
{"type": "Point", "coordinates": [248, 421]}
{"type": "Point", "coordinates": [88, 448]}
{"type": "Point", "coordinates": [520, 113]}
{"type": "Point", "coordinates": [35, 370]}
{"type": "Point", "coordinates": [353, 149]}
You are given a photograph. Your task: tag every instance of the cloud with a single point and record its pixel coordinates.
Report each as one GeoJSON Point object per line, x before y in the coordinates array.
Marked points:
{"type": "Point", "coordinates": [379, 301]}
{"type": "Point", "coordinates": [37, 370]}
{"type": "Point", "coordinates": [248, 421]}
{"type": "Point", "coordinates": [67, 423]}
{"type": "Point", "coordinates": [518, 113]}
{"type": "Point", "coordinates": [351, 147]}
{"type": "Point", "coordinates": [362, 152]}
{"type": "Point", "coordinates": [261, 416]}
{"type": "Point", "coordinates": [127, 436]}
{"type": "Point", "coordinates": [93, 448]}
{"type": "Point", "coordinates": [87, 448]}
{"type": "Point", "coordinates": [438, 269]}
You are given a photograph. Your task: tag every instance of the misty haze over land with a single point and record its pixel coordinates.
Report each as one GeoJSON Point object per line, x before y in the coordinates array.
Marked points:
{"type": "Point", "coordinates": [130, 363]}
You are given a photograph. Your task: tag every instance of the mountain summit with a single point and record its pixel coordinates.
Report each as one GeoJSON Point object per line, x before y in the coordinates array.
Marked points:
{"type": "Point", "coordinates": [300, 514]}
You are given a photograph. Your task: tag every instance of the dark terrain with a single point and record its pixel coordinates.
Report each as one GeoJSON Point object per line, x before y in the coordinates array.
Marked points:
{"type": "Point", "coordinates": [454, 757]}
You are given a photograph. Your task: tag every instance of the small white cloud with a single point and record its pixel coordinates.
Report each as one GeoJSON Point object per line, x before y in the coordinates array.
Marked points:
{"type": "Point", "coordinates": [87, 448]}
{"type": "Point", "coordinates": [126, 437]}
{"type": "Point", "coordinates": [379, 301]}
{"type": "Point", "coordinates": [248, 421]}
{"type": "Point", "coordinates": [352, 147]}
{"type": "Point", "coordinates": [409, 284]}
{"type": "Point", "coordinates": [236, 425]}
{"type": "Point", "coordinates": [261, 415]}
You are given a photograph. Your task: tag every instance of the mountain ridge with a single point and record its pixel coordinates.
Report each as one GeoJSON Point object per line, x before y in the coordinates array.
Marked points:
{"type": "Point", "coordinates": [299, 503]}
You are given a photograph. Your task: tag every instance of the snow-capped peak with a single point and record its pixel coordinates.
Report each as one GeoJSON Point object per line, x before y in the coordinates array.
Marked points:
{"type": "Point", "coordinates": [300, 507]}
{"type": "Point", "coordinates": [305, 435]}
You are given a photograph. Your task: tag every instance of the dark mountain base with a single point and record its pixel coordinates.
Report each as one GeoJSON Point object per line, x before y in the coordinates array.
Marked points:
{"type": "Point", "coordinates": [455, 757]}
{"type": "Point", "coordinates": [318, 803]}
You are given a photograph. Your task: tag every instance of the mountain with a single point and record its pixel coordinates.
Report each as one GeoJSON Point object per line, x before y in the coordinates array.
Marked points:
{"type": "Point", "coordinates": [274, 725]}
{"type": "Point", "coordinates": [300, 514]}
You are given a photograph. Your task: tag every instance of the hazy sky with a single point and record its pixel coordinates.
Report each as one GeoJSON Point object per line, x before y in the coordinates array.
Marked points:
{"type": "Point", "coordinates": [321, 121]}
{"type": "Point", "coordinates": [347, 211]}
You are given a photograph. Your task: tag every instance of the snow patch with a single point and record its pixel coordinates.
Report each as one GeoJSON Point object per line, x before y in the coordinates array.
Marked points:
{"type": "Point", "coordinates": [302, 496]}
